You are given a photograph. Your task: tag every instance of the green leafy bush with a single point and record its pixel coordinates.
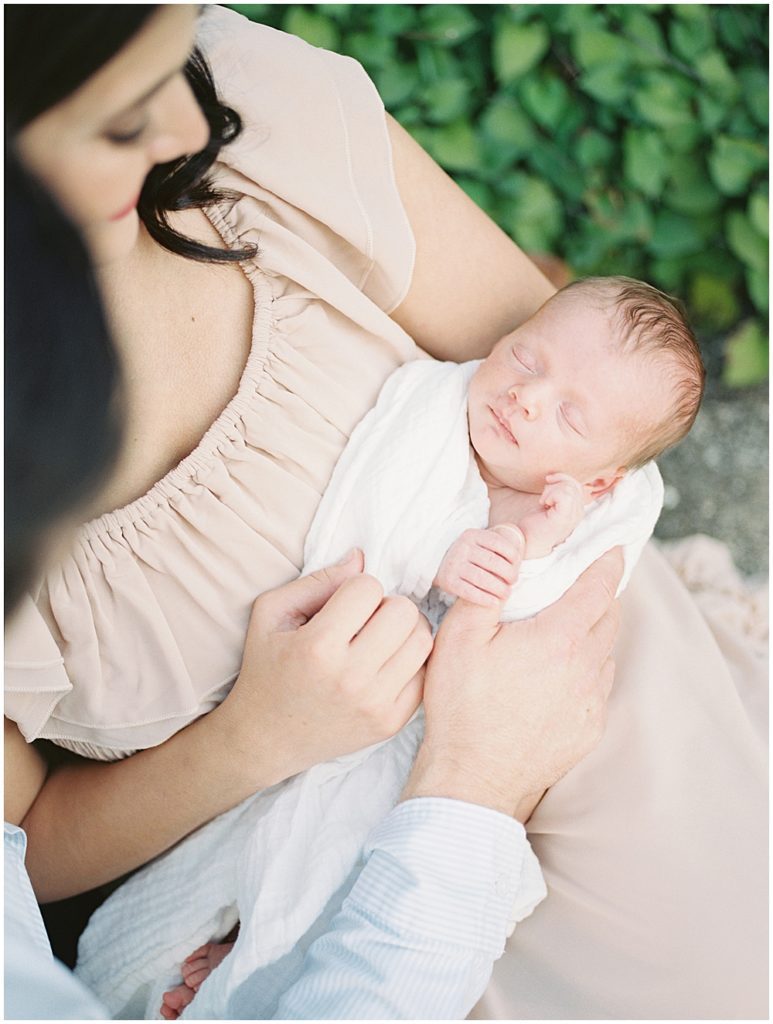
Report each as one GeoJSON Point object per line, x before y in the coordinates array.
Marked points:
{"type": "Point", "coordinates": [624, 138]}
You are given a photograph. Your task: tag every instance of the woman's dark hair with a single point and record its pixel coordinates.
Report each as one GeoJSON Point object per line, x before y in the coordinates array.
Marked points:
{"type": "Point", "coordinates": [62, 421]}
{"type": "Point", "coordinates": [51, 49]}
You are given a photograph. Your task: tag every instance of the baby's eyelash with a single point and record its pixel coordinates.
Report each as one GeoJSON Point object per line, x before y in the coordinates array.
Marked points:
{"type": "Point", "coordinates": [529, 367]}
{"type": "Point", "coordinates": [572, 426]}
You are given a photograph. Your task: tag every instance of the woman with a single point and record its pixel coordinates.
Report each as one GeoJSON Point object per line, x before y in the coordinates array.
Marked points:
{"type": "Point", "coordinates": [451, 855]}
{"type": "Point", "coordinates": [314, 191]}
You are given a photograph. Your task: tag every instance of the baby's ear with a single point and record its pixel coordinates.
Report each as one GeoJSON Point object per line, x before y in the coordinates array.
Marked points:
{"type": "Point", "coordinates": [605, 484]}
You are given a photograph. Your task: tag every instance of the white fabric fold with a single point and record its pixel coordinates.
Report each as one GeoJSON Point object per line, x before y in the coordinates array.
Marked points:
{"type": "Point", "coordinates": [281, 862]}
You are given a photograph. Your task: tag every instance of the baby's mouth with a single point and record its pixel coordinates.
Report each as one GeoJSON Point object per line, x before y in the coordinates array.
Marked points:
{"type": "Point", "coordinates": [505, 429]}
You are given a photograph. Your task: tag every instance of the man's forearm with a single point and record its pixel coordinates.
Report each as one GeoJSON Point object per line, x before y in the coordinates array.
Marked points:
{"type": "Point", "coordinates": [418, 935]}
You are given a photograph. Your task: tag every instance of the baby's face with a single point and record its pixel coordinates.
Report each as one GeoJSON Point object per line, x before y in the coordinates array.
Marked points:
{"type": "Point", "coordinates": [556, 395]}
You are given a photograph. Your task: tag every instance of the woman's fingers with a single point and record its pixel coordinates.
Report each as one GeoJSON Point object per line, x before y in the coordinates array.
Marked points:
{"type": "Point", "coordinates": [348, 609]}
{"type": "Point", "coordinates": [386, 631]}
{"type": "Point", "coordinates": [405, 662]}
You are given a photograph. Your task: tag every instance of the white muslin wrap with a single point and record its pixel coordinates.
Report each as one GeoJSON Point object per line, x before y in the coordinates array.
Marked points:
{"type": "Point", "coordinates": [282, 862]}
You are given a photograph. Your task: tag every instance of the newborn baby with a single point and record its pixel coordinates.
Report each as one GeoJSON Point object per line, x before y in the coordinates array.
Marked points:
{"type": "Point", "coordinates": [603, 378]}
{"type": "Point", "coordinates": [526, 466]}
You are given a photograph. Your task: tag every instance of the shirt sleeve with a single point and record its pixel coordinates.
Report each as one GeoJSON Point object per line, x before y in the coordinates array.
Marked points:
{"type": "Point", "coordinates": [37, 987]}
{"type": "Point", "coordinates": [418, 935]}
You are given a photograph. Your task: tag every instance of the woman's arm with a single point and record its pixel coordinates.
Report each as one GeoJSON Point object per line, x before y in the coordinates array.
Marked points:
{"type": "Point", "coordinates": [329, 667]}
{"type": "Point", "coordinates": [471, 283]}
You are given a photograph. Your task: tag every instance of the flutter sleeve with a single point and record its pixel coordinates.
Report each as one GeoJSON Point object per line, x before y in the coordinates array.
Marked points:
{"type": "Point", "coordinates": [314, 135]}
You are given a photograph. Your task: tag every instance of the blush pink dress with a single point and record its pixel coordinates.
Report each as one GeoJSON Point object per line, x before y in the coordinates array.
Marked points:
{"type": "Point", "coordinates": [654, 847]}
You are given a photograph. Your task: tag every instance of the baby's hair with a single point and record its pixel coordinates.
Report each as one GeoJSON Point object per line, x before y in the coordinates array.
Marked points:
{"type": "Point", "coordinates": [651, 321]}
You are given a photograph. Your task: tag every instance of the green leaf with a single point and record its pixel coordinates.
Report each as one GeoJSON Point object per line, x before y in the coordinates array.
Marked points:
{"type": "Point", "coordinates": [505, 124]}
{"type": "Point", "coordinates": [593, 149]}
{"type": "Point", "coordinates": [690, 39]}
{"type": "Point", "coordinates": [607, 84]}
{"type": "Point", "coordinates": [255, 12]}
{"type": "Point", "coordinates": [674, 235]}
{"type": "Point", "coordinates": [550, 162]}
{"type": "Point", "coordinates": [714, 70]}
{"type": "Point", "coordinates": [396, 83]}
{"type": "Point", "coordinates": [448, 24]}
{"type": "Point", "coordinates": [746, 356]}
{"type": "Point", "coordinates": [446, 100]}
{"type": "Point", "coordinates": [339, 12]}
{"type": "Point", "coordinates": [545, 98]}
{"type": "Point", "coordinates": [392, 19]}
{"type": "Point", "coordinates": [757, 282]}
{"type": "Point", "coordinates": [372, 51]}
{"type": "Point", "coordinates": [745, 241]}
{"type": "Point", "coordinates": [478, 191]}
{"type": "Point", "coordinates": [734, 29]}
{"type": "Point", "coordinates": [713, 301]}
{"type": "Point", "coordinates": [314, 28]}
{"type": "Point", "coordinates": [644, 161]}
{"type": "Point", "coordinates": [759, 213]}
{"type": "Point", "coordinates": [754, 82]}
{"type": "Point", "coordinates": [518, 48]}
{"type": "Point", "coordinates": [690, 189]}
{"type": "Point", "coordinates": [712, 111]}
{"type": "Point", "coordinates": [663, 100]}
{"type": "Point", "coordinates": [648, 47]}
{"type": "Point", "coordinates": [668, 273]}
{"type": "Point", "coordinates": [535, 217]}
{"type": "Point", "coordinates": [456, 147]}
{"type": "Point", "coordinates": [571, 18]}
{"type": "Point", "coordinates": [683, 138]}
{"type": "Point", "coordinates": [734, 162]}
{"type": "Point", "coordinates": [594, 48]}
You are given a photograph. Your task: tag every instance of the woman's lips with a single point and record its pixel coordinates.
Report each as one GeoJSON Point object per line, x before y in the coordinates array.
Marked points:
{"type": "Point", "coordinates": [126, 210]}
{"type": "Point", "coordinates": [504, 430]}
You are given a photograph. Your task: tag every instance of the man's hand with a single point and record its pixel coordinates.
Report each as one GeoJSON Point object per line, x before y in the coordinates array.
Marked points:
{"type": "Point", "coordinates": [482, 565]}
{"type": "Point", "coordinates": [510, 708]}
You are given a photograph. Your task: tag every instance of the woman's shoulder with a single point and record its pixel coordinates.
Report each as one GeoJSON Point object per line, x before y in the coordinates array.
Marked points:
{"type": "Point", "coordinates": [314, 139]}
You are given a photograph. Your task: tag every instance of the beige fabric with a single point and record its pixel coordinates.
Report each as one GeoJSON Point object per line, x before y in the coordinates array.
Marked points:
{"type": "Point", "coordinates": [654, 847]}
{"type": "Point", "coordinates": [150, 610]}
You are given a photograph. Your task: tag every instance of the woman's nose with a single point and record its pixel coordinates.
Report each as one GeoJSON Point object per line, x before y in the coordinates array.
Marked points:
{"type": "Point", "coordinates": [183, 129]}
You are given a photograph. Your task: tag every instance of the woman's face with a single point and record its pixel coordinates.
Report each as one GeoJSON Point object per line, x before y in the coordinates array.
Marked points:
{"type": "Point", "coordinates": [94, 150]}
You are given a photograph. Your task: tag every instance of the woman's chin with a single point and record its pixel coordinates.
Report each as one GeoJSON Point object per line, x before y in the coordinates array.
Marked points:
{"type": "Point", "coordinates": [112, 240]}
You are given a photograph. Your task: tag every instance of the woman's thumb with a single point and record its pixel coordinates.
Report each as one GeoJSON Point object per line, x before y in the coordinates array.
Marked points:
{"type": "Point", "coordinates": [303, 598]}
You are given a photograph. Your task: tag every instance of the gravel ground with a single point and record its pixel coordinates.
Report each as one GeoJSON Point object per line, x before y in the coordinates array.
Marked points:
{"type": "Point", "coordinates": [717, 478]}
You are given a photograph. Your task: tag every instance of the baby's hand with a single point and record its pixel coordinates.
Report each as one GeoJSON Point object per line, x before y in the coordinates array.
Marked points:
{"type": "Point", "coordinates": [562, 500]}
{"type": "Point", "coordinates": [482, 565]}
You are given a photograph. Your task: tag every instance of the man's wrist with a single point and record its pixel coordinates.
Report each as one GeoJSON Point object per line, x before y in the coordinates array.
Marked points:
{"type": "Point", "coordinates": [437, 775]}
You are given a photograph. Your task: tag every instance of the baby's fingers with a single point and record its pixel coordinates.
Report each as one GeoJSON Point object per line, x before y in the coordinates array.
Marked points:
{"type": "Point", "coordinates": [485, 581]}
{"type": "Point", "coordinates": [501, 566]}
{"type": "Point", "coordinates": [474, 595]}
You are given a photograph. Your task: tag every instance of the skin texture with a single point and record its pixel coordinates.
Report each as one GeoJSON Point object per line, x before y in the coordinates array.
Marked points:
{"type": "Point", "coordinates": [91, 822]}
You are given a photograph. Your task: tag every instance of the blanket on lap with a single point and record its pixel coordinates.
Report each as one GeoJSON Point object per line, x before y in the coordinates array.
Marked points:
{"type": "Point", "coordinates": [282, 862]}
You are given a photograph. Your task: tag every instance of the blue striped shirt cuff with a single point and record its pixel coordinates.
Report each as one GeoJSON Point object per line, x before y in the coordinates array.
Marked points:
{"type": "Point", "coordinates": [443, 871]}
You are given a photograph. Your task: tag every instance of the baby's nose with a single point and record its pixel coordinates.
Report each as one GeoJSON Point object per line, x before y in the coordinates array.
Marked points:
{"type": "Point", "coordinates": [525, 401]}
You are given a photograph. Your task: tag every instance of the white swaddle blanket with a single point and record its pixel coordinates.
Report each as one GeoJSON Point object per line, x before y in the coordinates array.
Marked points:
{"type": "Point", "coordinates": [282, 862]}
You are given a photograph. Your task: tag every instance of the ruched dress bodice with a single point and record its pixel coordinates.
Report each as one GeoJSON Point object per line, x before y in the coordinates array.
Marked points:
{"type": "Point", "coordinates": [141, 628]}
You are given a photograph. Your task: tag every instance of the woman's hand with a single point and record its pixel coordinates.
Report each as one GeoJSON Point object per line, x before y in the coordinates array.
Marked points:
{"type": "Point", "coordinates": [512, 707]}
{"type": "Point", "coordinates": [330, 666]}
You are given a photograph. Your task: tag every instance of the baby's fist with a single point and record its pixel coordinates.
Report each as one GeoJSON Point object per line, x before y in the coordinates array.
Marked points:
{"type": "Point", "coordinates": [563, 498]}
{"type": "Point", "coordinates": [482, 565]}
